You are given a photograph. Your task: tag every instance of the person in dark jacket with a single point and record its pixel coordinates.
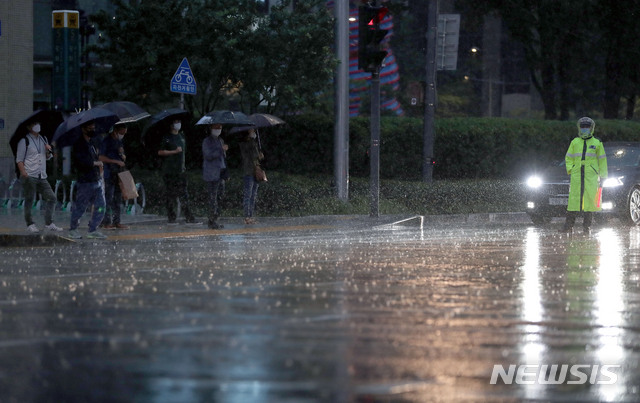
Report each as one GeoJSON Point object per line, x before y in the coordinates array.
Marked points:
{"type": "Point", "coordinates": [113, 157]}
{"type": "Point", "coordinates": [89, 185]}
{"type": "Point", "coordinates": [251, 157]}
{"type": "Point", "coordinates": [172, 150]}
{"type": "Point", "coordinates": [213, 168]}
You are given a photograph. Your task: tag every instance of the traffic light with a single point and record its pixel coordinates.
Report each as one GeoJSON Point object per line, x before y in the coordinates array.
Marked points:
{"type": "Point", "coordinates": [370, 36]}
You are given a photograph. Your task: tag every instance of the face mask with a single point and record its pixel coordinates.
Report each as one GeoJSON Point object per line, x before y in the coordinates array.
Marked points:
{"type": "Point", "coordinates": [216, 132]}
{"type": "Point", "coordinates": [120, 137]}
{"type": "Point", "coordinates": [252, 135]}
{"type": "Point", "coordinates": [177, 126]}
{"type": "Point", "coordinates": [36, 128]}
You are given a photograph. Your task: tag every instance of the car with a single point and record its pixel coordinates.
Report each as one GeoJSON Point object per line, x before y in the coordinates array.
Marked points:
{"type": "Point", "coordinates": [547, 193]}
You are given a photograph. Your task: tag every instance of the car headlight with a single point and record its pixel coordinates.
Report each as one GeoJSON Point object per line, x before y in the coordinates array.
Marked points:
{"type": "Point", "coordinates": [534, 182]}
{"type": "Point", "coordinates": [612, 182]}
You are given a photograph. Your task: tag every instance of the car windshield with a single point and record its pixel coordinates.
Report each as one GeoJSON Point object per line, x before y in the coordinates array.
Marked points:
{"type": "Point", "coordinates": [623, 156]}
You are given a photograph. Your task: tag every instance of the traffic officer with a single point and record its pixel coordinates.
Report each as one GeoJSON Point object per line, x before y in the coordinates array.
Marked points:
{"type": "Point", "coordinates": [586, 163]}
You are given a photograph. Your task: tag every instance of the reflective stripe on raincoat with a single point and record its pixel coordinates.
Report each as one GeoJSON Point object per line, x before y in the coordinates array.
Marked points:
{"type": "Point", "coordinates": [586, 162]}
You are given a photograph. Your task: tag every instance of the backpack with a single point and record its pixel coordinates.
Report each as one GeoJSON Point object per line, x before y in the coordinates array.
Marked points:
{"type": "Point", "coordinates": [14, 149]}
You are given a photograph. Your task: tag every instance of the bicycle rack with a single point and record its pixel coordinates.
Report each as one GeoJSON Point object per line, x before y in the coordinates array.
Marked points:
{"type": "Point", "coordinates": [9, 200]}
{"type": "Point", "coordinates": [137, 205]}
{"type": "Point", "coordinates": [67, 204]}
{"type": "Point", "coordinates": [60, 205]}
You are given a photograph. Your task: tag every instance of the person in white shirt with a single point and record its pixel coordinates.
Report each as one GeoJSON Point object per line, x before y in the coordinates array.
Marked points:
{"type": "Point", "coordinates": [31, 157]}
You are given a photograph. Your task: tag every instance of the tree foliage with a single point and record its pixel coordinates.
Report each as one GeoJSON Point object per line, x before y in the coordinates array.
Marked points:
{"type": "Point", "coordinates": [240, 57]}
{"type": "Point", "coordinates": [581, 53]}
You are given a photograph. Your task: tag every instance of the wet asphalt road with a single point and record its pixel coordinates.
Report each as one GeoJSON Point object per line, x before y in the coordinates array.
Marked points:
{"type": "Point", "coordinates": [349, 313]}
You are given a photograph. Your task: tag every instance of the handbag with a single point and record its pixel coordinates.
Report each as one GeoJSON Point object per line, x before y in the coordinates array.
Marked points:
{"type": "Point", "coordinates": [259, 174]}
{"type": "Point", "coordinates": [127, 185]}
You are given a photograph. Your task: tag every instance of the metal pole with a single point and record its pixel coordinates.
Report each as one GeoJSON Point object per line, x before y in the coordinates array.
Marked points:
{"type": "Point", "coordinates": [374, 151]}
{"type": "Point", "coordinates": [374, 181]}
{"type": "Point", "coordinates": [341, 128]}
{"type": "Point", "coordinates": [430, 93]}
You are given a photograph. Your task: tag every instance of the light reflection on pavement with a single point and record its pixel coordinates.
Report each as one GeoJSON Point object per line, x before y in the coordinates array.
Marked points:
{"type": "Point", "coordinates": [322, 314]}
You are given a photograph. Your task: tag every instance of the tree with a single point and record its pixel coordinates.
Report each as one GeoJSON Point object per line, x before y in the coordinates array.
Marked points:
{"type": "Point", "coordinates": [617, 22]}
{"type": "Point", "coordinates": [283, 59]}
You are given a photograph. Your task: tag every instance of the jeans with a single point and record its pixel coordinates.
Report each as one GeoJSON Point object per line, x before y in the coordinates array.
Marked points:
{"type": "Point", "coordinates": [249, 193]}
{"type": "Point", "coordinates": [113, 197]}
{"type": "Point", "coordinates": [88, 194]}
{"type": "Point", "coordinates": [216, 193]}
{"type": "Point", "coordinates": [31, 186]}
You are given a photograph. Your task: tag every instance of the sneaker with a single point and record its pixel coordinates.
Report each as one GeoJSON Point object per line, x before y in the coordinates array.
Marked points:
{"type": "Point", "coordinates": [249, 221]}
{"type": "Point", "coordinates": [53, 227]}
{"type": "Point", "coordinates": [193, 221]}
{"type": "Point", "coordinates": [215, 225]}
{"type": "Point", "coordinates": [96, 235]}
{"type": "Point", "coordinates": [120, 226]}
{"type": "Point", "coordinates": [108, 226]}
{"type": "Point", "coordinates": [33, 229]}
{"type": "Point", "coordinates": [74, 234]}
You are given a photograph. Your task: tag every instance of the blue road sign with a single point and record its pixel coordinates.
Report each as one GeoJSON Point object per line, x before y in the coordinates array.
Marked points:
{"type": "Point", "coordinates": [183, 80]}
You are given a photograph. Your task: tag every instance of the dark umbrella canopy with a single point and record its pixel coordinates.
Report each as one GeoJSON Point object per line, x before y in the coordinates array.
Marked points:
{"type": "Point", "coordinates": [70, 130]}
{"type": "Point", "coordinates": [49, 121]}
{"type": "Point", "coordinates": [223, 117]}
{"type": "Point", "coordinates": [153, 132]}
{"type": "Point", "coordinates": [260, 120]}
{"type": "Point", "coordinates": [128, 112]}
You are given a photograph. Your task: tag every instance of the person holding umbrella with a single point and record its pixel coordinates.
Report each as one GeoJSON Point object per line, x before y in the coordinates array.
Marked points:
{"type": "Point", "coordinates": [89, 186]}
{"type": "Point", "coordinates": [172, 150]}
{"type": "Point", "coordinates": [251, 157]}
{"type": "Point", "coordinates": [32, 154]}
{"type": "Point", "coordinates": [113, 156]}
{"type": "Point", "coordinates": [213, 168]}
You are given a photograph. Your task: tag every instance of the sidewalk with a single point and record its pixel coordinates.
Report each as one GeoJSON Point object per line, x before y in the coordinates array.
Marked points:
{"type": "Point", "coordinates": [13, 230]}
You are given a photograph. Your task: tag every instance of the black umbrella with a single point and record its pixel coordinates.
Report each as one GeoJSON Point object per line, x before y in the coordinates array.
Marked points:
{"type": "Point", "coordinates": [223, 117]}
{"type": "Point", "coordinates": [70, 130]}
{"type": "Point", "coordinates": [128, 112]}
{"type": "Point", "coordinates": [260, 120]}
{"type": "Point", "coordinates": [49, 121]}
{"type": "Point", "coordinates": [156, 127]}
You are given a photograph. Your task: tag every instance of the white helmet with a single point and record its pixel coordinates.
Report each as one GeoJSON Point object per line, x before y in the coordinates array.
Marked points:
{"type": "Point", "coordinates": [584, 124]}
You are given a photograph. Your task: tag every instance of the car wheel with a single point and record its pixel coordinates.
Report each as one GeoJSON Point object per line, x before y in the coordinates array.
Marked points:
{"type": "Point", "coordinates": [632, 216]}
{"type": "Point", "coordinates": [538, 219]}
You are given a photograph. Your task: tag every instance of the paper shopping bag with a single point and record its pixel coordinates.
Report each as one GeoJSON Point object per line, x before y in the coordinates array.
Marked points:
{"type": "Point", "coordinates": [127, 185]}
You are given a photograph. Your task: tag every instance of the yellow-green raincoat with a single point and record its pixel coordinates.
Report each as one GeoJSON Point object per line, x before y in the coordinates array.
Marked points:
{"type": "Point", "coordinates": [586, 162]}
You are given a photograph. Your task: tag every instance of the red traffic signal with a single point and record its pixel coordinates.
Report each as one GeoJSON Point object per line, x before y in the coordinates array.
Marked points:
{"type": "Point", "coordinates": [378, 14]}
{"type": "Point", "coordinates": [370, 52]}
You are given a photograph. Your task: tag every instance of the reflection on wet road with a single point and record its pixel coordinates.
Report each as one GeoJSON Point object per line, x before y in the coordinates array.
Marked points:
{"type": "Point", "coordinates": [383, 314]}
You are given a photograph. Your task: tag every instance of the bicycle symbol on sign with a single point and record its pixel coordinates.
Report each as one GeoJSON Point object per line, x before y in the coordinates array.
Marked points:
{"type": "Point", "coordinates": [183, 73]}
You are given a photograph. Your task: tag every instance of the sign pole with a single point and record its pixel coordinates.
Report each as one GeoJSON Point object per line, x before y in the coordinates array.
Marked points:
{"type": "Point", "coordinates": [430, 93]}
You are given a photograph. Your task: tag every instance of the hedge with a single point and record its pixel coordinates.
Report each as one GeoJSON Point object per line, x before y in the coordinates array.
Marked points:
{"type": "Point", "coordinates": [465, 148]}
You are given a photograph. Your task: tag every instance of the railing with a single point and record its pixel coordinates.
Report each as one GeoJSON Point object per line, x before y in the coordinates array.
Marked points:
{"type": "Point", "coordinates": [13, 197]}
